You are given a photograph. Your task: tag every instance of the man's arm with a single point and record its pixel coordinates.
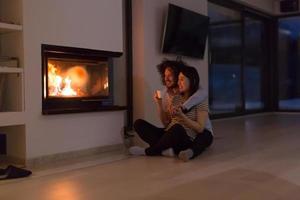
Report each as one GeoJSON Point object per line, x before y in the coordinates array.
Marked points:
{"type": "Point", "coordinates": [163, 115]}
{"type": "Point", "coordinates": [199, 96]}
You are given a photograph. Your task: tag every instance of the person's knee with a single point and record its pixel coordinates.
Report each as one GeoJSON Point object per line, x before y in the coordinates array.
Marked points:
{"type": "Point", "coordinates": [204, 139]}
{"type": "Point", "coordinates": [177, 131]}
{"type": "Point", "coordinates": [210, 141]}
{"type": "Point", "coordinates": [138, 123]}
{"type": "Point", "coordinates": [177, 127]}
{"type": "Point", "coordinates": [208, 138]}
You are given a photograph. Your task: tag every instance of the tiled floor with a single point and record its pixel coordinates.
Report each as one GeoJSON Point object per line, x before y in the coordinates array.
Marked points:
{"type": "Point", "coordinates": [253, 157]}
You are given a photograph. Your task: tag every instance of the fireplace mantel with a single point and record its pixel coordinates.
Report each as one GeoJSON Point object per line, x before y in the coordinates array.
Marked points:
{"type": "Point", "coordinates": [77, 110]}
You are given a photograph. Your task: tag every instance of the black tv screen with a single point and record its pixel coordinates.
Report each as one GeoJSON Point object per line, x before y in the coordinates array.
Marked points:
{"type": "Point", "coordinates": [185, 32]}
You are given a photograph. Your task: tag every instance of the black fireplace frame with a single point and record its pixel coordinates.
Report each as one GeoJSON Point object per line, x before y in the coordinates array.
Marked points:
{"type": "Point", "coordinates": [81, 104]}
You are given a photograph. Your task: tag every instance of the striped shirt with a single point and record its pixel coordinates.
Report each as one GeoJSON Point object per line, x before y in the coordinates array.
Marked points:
{"type": "Point", "coordinates": [192, 115]}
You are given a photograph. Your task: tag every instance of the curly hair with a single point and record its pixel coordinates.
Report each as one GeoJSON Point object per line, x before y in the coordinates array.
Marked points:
{"type": "Point", "coordinates": [192, 74]}
{"type": "Point", "coordinates": [175, 66]}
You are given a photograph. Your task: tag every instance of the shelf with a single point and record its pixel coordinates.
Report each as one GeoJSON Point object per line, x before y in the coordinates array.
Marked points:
{"type": "Point", "coordinates": [5, 27]}
{"type": "Point", "coordinates": [12, 118]}
{"type": "Point", "coordinates": [11, 70]}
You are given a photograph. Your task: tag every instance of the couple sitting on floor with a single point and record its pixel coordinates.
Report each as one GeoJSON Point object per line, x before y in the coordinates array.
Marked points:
{"type": "Point", "coordinates": [183, 110]}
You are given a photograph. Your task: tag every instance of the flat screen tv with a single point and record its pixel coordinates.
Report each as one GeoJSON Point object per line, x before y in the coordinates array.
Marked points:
{"type": "Point", "coordinates": [185, 32]}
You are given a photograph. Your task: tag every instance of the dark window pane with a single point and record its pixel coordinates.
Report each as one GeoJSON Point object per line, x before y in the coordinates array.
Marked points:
{"type": "Point", "coordinates": [225, 64]}
{"type": "Point", "coordinates": [289, 63]}
{"type": "Point", "coordinates": [254, 58]}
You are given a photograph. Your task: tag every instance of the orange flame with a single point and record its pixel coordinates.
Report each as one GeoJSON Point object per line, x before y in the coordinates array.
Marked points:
{"type": "Point", "coordinates": [68, 91]}
{"type": "Point", "coordinates": [105, 85]}
{"type": "Point", "coordinates": [60, 86]}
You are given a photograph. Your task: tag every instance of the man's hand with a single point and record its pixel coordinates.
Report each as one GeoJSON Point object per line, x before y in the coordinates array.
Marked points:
{"type": "Point", "coordinates": [164, 116]}
{"type": "Point", "coordinates": [157, 99]}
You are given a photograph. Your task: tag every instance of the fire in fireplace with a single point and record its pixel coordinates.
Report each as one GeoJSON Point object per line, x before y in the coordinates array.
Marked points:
{"type": "Point", "coordinates": [76, 80]}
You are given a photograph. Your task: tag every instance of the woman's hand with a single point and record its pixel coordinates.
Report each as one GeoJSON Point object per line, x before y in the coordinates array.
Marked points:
{"type": "Point", "coordinates": [173, 111]}
{"type": "Point", "coordinates": [178, 114]}
{"type": "Point", "coordinates": [176, 111]}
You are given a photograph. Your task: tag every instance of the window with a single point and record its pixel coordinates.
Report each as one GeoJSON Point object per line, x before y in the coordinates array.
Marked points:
{"type": "Point", "coordinates": [238, 60]}
{"type": "Point", "coordinates": [289, 63]}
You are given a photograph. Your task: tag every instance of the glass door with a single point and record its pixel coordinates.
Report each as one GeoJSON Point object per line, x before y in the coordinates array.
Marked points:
{"type": "Point", "coordinates": [255, 62]}
{"type": "Point", "coordinates": [289, 63]}
{"type": "Point", "coordinates": [238, 61]}
{"type": "Point", "coordinates": [225, 60]}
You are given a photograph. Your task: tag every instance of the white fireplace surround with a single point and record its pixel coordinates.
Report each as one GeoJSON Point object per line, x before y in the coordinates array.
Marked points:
{"type": "Point", "coordinates": [79, 131]}
{"type": "Point", "coordinates": [86, 24]}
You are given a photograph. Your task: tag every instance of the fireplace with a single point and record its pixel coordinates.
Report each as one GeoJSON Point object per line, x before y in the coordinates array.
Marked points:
{"type": "Point", "coordinates": [76, 80]}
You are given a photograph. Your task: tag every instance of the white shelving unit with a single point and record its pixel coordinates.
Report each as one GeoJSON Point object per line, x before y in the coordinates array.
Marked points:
{"type": "Point", "coordinates": [12, 115]}
{"type": "Point", "coordinates": [11, 70]}
{"type": "Point", "coordinates": [6, 28]}
{"type": "Point", "coordinates": [11, 118]}
{"type": "Point", "coordinates": [11, 46]}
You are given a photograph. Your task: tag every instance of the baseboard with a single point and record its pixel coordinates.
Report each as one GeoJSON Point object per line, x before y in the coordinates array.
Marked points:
{"type": "Point", "coordinates": [11, 160]}
{"type": "Point", "coordinates": [243, 116]}
{"type": "Point", "coordinates": [67, 156]}
{"type": "Point", "coordinates": [286, 113]}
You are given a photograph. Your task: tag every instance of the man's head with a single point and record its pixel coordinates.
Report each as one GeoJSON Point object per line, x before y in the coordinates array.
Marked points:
{"type": "Point", "coordinates": [169, 71]}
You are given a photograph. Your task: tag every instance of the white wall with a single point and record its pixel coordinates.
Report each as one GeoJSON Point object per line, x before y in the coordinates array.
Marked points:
{"type": "Point", "coordinates": [147, 34]}
{"type": "Point", "coordinates": [89, 24]}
